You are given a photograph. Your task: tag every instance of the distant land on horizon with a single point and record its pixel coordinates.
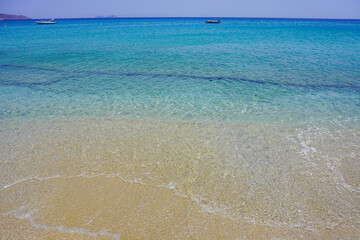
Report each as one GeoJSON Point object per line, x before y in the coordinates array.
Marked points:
{"type": "Point", "coordinates": [4, 16]}
{"type": "Point", "coordinates": [110, 16]}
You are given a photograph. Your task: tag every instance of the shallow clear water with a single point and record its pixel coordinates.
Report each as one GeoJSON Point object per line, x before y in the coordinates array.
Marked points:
{"type": "Point", "coordinates": [171, 128]}
{"type": "Point", "coordinates": [182, 69]}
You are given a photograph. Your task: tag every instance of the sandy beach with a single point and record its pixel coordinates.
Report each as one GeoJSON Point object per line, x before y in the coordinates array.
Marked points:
{"type": "Point", "coordinates": [118, 178]}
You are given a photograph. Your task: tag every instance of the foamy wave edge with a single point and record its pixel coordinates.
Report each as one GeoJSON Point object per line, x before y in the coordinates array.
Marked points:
{"type": "Point", "coordinates": [19, 214]}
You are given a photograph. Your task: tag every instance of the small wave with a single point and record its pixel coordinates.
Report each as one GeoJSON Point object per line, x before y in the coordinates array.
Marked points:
{"type": "Point", "coordinates": [29, 179]}
{"type": "Point", "coordinates": [136, 180]}
{"type": "Point", "coordinates": [21, 213]}
{"type": "Point", "coordinates": [206, 205]}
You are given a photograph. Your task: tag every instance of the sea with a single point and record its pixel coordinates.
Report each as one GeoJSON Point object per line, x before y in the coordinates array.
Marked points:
{"type": "Point", "coordinates": [171, 128]}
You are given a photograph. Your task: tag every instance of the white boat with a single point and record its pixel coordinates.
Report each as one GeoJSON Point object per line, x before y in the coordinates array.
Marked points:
{"type": "Point", "coordinates": [52, 21]}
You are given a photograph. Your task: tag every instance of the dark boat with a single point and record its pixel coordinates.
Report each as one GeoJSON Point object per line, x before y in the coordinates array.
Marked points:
{"type": "Point", "coordinates": [210, 21]}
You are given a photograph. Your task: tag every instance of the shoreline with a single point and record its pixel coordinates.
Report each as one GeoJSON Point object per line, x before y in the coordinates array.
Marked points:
{"type": "Point", "coordinates": [250, 177]}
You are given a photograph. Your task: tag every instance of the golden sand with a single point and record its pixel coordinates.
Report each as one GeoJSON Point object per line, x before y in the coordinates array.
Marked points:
{"type": "Point", "coordinates": [136, 179]}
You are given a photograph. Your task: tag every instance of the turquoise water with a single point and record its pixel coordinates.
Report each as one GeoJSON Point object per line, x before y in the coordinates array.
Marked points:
{"type": "Point", "coordinates": [175, 129]}
{"type": "Point", "coordinates": [244, 70]}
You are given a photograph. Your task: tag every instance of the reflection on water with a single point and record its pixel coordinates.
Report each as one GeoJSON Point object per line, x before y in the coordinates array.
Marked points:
{"type": "Point", "coordinates": [115, 178]}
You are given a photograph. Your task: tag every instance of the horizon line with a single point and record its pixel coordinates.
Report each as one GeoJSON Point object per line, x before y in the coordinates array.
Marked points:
{"type": "Point", "coordinates": [116, 17]}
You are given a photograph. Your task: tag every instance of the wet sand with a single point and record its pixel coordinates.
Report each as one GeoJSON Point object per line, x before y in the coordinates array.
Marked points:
{"type": "Point", "coordinates": [118, 178]}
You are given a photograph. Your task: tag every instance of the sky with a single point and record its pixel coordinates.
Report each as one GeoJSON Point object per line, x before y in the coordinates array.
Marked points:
{"type": "Point", "coordinates": [343, 9]}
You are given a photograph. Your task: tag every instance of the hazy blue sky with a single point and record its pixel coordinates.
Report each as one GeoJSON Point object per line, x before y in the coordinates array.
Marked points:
{"type": "Point", "coordinates": [183, 8]}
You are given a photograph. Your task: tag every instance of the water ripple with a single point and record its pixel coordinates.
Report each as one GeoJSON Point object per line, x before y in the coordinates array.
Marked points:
{"type": "Point", "coordinates": [169, 75]}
